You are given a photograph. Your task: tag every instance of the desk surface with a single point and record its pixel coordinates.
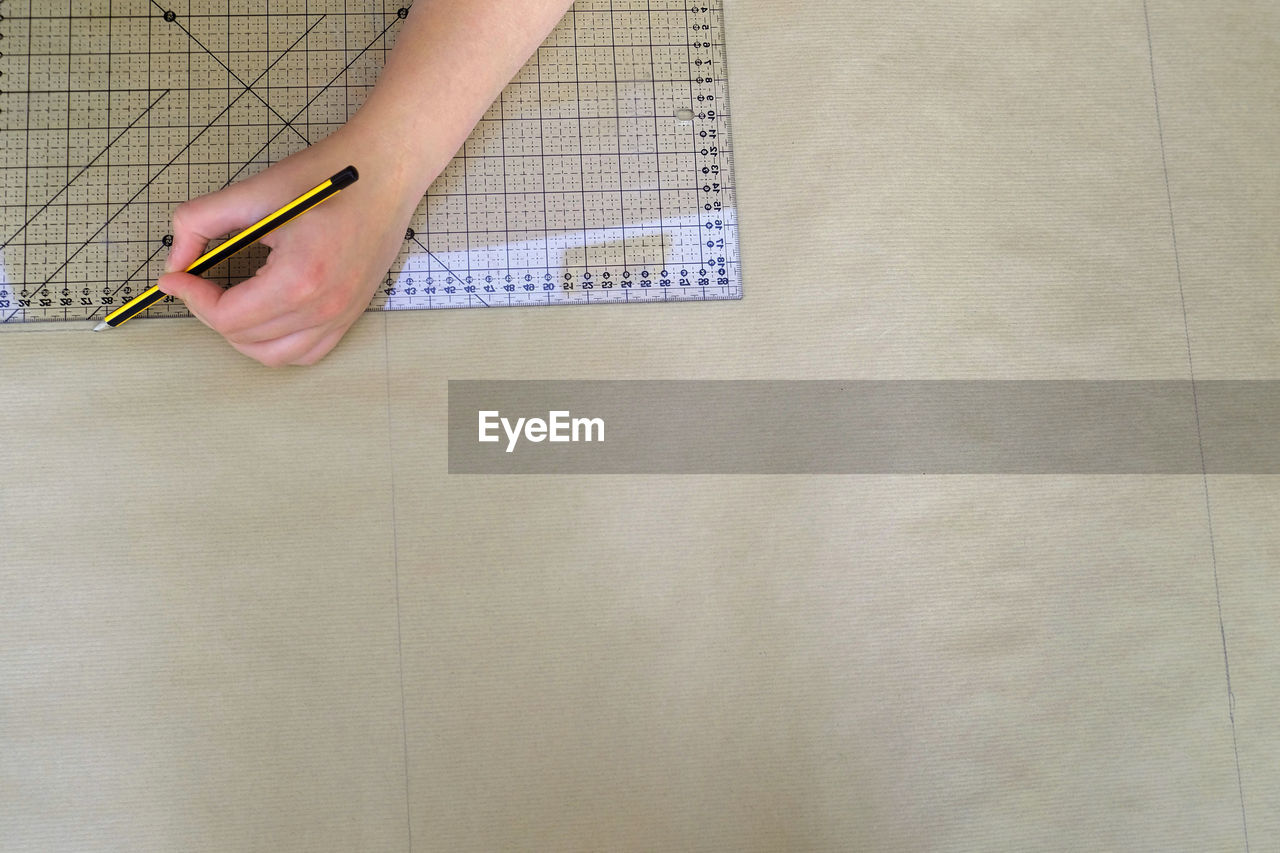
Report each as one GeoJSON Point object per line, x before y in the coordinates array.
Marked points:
{"type": "Point", "coordinates": [275, 622]}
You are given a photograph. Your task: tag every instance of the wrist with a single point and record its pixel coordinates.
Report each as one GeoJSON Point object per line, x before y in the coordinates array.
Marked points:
{"type": "Point", "coordinates": [407, 157]}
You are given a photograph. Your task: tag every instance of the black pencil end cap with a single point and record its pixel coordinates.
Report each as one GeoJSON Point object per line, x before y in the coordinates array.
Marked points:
{"type": "Point", "coordinates": [346, 177]}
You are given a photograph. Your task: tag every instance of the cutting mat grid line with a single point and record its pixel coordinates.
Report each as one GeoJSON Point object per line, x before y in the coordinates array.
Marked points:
{"type": "Point", "coordinates": [603, 172]}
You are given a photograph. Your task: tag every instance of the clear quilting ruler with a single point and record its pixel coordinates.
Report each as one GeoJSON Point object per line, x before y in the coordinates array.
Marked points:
{"type": "Point", "coordinates": [603, 173]}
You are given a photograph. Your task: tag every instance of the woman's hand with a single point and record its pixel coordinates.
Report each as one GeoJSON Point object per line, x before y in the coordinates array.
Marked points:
{"type": "Point", "coordinates": [324, 265]}
{"type": "Point", "coordinates": [450, 61]}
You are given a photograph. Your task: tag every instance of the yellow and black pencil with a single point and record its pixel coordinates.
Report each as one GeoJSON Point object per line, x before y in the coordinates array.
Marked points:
{"type": "Point", "coordinates": [247, 237]}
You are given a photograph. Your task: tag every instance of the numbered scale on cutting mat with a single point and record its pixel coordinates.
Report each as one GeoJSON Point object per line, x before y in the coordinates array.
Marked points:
{"type": "Point", "coordinates": [603, 173]}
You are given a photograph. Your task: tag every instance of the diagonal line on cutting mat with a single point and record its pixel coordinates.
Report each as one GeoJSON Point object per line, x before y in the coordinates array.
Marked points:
{"type": "Point", "coordinates": [432, 256]}
{"type": "Point", "coordinates": [140, 268]}
{"type": "Point", "coordinates": [120, 286]}
{"type": "Point", "coordinates": [247, 86]}
{"type": "Point", "coordinates": [308, 104]}
{"type": "Point", "coordinates": [190, 142]}
{"type": "Point", "coordinates": [83, 169]}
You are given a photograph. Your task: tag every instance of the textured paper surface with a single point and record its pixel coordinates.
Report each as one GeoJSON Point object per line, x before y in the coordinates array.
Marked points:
{"type": "Point", "coordinates": [248, 609]}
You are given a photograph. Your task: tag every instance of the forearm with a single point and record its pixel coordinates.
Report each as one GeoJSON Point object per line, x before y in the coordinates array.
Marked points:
{"type": "Point", "coordinates": [451, 60]}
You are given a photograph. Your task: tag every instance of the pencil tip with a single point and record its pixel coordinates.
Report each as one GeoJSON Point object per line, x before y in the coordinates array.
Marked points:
{"type": "Point", "coordinates": [101, 326]}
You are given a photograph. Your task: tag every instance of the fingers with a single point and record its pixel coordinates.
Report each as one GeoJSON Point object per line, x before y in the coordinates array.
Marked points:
{"type": "Point", "coordinates": [278, 300]}
{"type": "Point", "coordinates": [278, 352]}
{"type": "Point", "coordinates": [260, 308]}
{"type": "Point", "coordinates": [199, 220]}
{"type": "Point", "coordinates": [202, 297]}
{"type": "Point", "coordinates": [300, 348]}
{"type": "Point", "coordinates": [321, 271]}
{"type": "Point", "coordinates": [288, 338]}
{"type": "Point", "coordinates": [322, 348]}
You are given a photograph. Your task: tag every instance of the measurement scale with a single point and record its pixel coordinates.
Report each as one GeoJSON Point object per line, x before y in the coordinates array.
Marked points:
{"type": "Point", "coordinates": [603, 172]}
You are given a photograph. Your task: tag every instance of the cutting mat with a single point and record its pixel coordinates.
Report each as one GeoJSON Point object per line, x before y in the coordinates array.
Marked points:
{"type": "Point", "coordinates": [603, 173]}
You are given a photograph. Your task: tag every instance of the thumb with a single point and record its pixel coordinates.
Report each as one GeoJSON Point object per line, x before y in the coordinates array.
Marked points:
{"type": "Point", "coordinates": [199, 220]}
{"type": "Point", "coordinates": [201, 295]}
